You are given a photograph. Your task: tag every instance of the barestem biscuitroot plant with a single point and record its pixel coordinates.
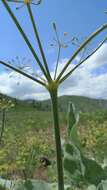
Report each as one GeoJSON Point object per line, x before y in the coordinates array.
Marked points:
{"type": "Point", "coordinates": [51, 85]}
{"type": "Point", "coordinates": [4, 106]}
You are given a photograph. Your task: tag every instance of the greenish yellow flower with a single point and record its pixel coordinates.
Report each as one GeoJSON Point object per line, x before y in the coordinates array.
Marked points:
{"type": "Point", "coordinates": [6, 103]}
{"type": "Point", "coordinates": [25, 2]}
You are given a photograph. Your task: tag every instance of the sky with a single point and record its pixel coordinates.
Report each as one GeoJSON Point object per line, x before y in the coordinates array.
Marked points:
{"type": "Point", "coordinates": [79, 18]}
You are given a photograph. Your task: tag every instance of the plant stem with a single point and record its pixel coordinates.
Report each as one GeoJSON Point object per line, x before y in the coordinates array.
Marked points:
{"type": "Point", "coordinates": [54, 101]}
{"type": "Point", "coordinates": [90, 38]}
{"type": "Point", "coordinates": [3, 125]}
{"type": "Point", "coordinates": [57, 62]}
{"type": "Point", "coordinates": [25, 37]}
{"type": "Point", "coordinates": [22, 73]}
{"type": "Point", "coordinates": [38, 40]}
{"type": "Point", "coordinates": [82, 61]}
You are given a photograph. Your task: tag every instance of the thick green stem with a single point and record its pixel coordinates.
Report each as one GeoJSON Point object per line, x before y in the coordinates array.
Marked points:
{"type": "Point", "coordinates": [54, 101]}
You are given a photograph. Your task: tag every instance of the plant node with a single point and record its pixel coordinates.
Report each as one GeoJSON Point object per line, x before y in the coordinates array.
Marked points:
{"type": "Point", "coordinates": [52, 86]}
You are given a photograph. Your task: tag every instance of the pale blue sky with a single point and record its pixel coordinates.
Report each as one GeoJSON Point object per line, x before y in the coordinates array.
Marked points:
{"type": "Point", "coordinates": [77, 17]}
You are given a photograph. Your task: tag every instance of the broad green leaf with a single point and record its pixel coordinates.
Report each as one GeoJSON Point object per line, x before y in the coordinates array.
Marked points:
{"type": "Point", "coordinates": [72, 156]}
{"type": "Point", "coordinates": [73, 163]}
{"type": "Point", "coordinates": [37, 185]}
{"type": "Point", "coordinates": [5, 183]}
{"type": "Point", "coordinates": [94, 173]}
{"type": "Point", "coordinates": [72, 122]}
{"type": "Point", "coordinates": [78, 167]}
{"type": "Point", "coordinates": [104, 185]}
{"type": "Point", "coordinates": [32, 185]}
{"type": "Point", "coordinates": [72, 170]}
{"type": "Point", "coordinates": [73, 153]}
{"type": "Point", "coordinates": [91, 187]}
{"type": "Point", "coordinates": [71, 117]}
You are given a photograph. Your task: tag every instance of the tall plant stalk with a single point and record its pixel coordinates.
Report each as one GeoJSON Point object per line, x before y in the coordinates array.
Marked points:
{"type": "Point", "coordinates": [51, 85]}
{"type": "Point", "coordinates": [54, 103]}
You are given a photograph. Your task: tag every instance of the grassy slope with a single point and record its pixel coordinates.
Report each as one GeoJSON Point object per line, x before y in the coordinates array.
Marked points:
{"type": "Point", "coordinates": [83, 104]}
{"type": "Point", "coordinates": [27, 129]}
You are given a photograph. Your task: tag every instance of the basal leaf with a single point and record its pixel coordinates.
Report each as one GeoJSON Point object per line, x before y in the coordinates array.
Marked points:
{"type": "Point", "coordinates": [32, 185]}
{"type": "Point", "coordinates": [72, 124]}
{"type": "Point", "coordinates": [73, 163]}
{"type": "Point", "coordinates": [104, 184]}
{"type": "Point", "coordinates": [91, 187]}
{"type": "Point", "coordinates": [94, 173]}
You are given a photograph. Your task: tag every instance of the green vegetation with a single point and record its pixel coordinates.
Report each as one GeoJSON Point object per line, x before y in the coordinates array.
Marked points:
{"type": "Point", "coordinates": [82, 104]}
{"type": "Point", "coordinates": [21, 151]}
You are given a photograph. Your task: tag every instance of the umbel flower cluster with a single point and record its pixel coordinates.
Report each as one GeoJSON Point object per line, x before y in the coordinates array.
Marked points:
{"type": "Point", "coordinates": [26, 2]}
{"type": "Point", "coordinates": [35, 2]}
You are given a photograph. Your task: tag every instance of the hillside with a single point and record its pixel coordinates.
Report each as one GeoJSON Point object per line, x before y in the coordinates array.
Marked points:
{"type": "Point", "coordinates": [83, 104]}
